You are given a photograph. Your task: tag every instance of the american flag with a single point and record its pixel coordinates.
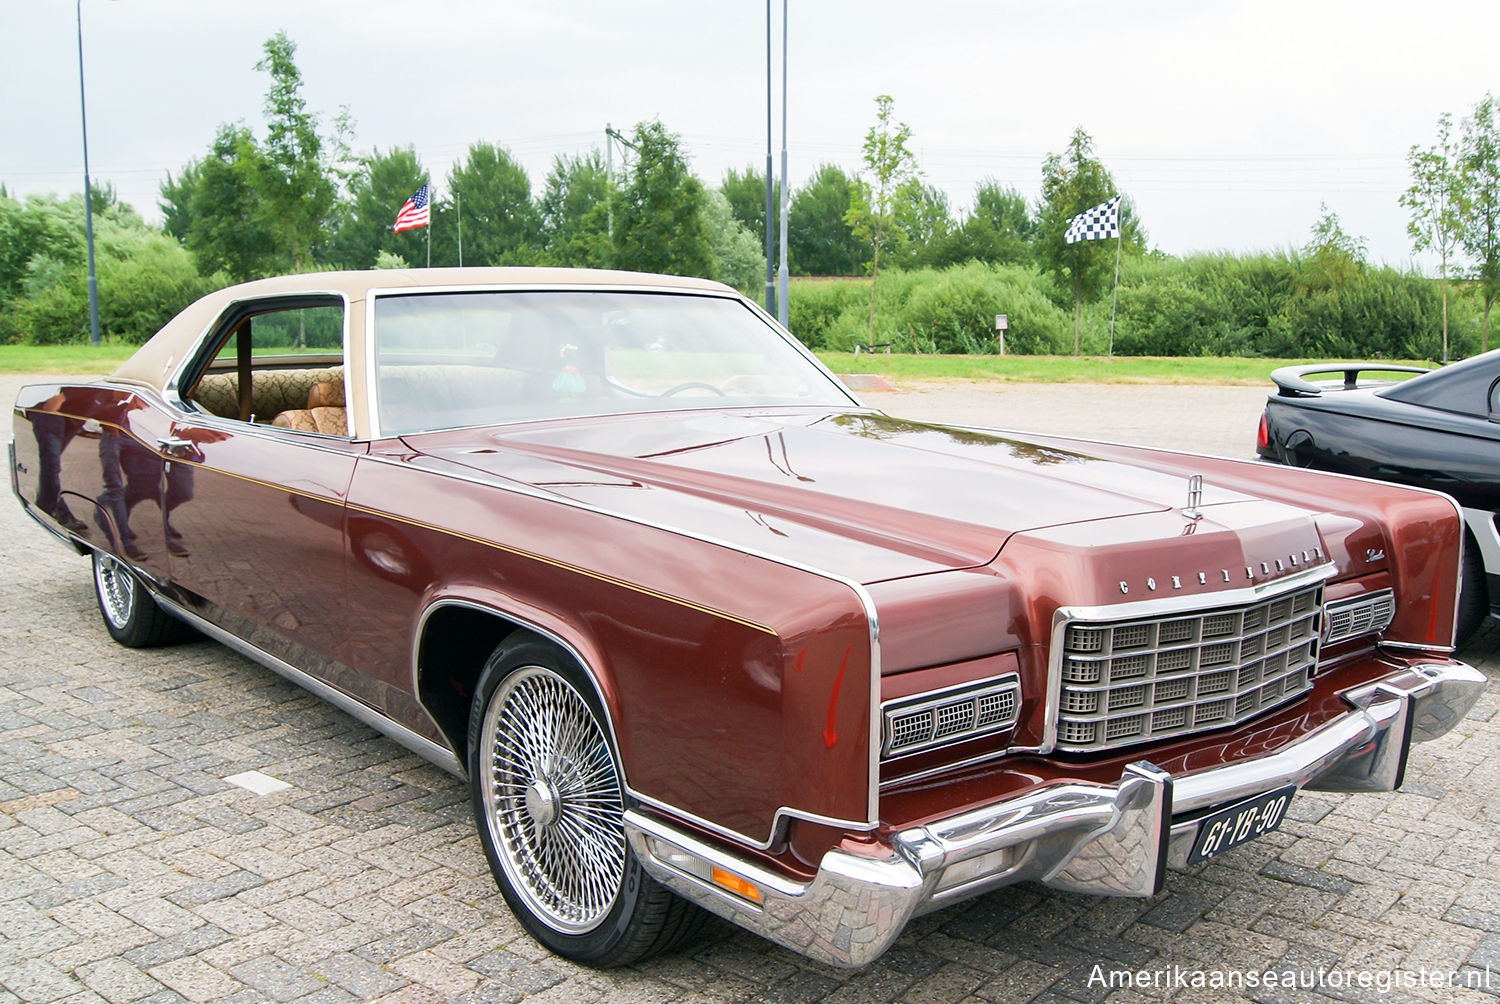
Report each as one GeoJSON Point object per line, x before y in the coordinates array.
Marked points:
{"type": "Point", "coordinates": [1099, 223]}
{"type": "Point", "coordinates": [414, 213]}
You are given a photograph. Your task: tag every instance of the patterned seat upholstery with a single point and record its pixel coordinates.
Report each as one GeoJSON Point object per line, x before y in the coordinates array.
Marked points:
{"type": "Point", "coordinates": [271, 391]}
{"type": "Point", "coordinates": [325, 412]}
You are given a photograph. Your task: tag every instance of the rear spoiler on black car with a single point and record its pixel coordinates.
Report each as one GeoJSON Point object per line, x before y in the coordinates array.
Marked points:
{"type": "Point", "coordinates": [1291, 381]}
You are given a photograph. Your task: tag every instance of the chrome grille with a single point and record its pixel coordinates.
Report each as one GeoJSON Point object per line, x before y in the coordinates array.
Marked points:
{"type": "Point", "coordinates": [927, 720]}
{"type": "Point", "coordinates": [1361, 615]}
{"type": "Point", "coordinates": [1127, 681]}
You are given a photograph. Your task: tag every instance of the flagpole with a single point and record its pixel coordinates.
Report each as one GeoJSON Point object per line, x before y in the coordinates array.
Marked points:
{"type": "Point", "coordinates": [428, 228]}
{"type": "Point", "coordinates": [1114, 297]}
{"type": "Point", "coordinates": [459, 196]}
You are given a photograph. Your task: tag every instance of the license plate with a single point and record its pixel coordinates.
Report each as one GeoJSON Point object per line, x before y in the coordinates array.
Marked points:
{"type": "Point", "coordinates": [1241, 823]}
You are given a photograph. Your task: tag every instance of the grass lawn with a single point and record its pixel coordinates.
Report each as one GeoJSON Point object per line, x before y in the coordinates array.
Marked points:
{"type": "Point", "coordinates": [84, 359]}
{"type": "Point", "coordinates": [1064, 369]}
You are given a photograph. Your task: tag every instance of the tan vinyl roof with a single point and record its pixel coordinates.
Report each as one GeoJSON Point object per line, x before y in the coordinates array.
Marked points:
{"type": "Point", "coordinates": [155, 361]}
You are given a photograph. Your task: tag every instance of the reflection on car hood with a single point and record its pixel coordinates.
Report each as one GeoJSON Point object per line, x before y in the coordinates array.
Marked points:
{"type": "Point", "coordinates": [865, 495]}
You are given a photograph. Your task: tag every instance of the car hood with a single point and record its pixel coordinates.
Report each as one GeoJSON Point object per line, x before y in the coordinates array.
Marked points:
{"type": "Point", "coordinates": [860, 494]}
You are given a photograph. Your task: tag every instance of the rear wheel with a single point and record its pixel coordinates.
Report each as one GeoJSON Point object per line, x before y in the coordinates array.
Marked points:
{"type": "Point", "coordinates": [549, 803]}
{"type": "Point", "coordinates": [130, 615]}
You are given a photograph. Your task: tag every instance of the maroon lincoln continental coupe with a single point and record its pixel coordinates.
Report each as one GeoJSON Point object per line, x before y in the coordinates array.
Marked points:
{"type": "Point", "coordinates": [702, 631]}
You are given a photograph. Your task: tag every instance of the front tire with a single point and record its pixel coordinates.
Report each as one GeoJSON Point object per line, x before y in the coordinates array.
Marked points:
{"type": "Point", "coordinates": [130, 615]}
{"type": "Point", "coordinates": [549, 803]}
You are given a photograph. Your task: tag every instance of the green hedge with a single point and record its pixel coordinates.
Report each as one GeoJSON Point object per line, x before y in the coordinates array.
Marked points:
{"type": "Point", "coordinates": [1279, 306]}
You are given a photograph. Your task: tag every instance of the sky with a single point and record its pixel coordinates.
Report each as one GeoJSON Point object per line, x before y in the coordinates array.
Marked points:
{"type": "Point", "coordinates": [1229, 124]}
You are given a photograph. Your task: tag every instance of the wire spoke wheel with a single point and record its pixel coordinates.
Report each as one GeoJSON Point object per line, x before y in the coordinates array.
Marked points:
{"type": "Point", "coordinates": [552, 800]}
{"type": "Point", "coordinates": [116, 590]}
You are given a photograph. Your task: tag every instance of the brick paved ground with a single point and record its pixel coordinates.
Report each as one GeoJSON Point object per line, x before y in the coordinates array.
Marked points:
{"type": "Point", "coordinates": [130, 870]}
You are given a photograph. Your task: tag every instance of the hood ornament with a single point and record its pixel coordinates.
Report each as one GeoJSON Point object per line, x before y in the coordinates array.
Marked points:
{"type": "Point", "coordinates": [1195, 498]}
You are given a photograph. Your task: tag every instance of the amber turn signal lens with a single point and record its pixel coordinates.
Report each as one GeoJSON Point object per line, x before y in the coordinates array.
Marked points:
{"type": "Point", "coordinates": [735, 884]}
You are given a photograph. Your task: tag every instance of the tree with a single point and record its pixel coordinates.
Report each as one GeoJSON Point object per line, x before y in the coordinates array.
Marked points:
{"type": "Point", "coordinates": [382, 182]}
{"type": "Point", "coordinates": [881, 205]}
{"type": "Point", "coordinates": [1072, 182]}
{"type": "Point", "coordinates": [227, 227]}
{"type": "Point", "coordinates": [176, 200]}
{"type": "Point", "coordinates": [501, 226]}
{"type": "Point", "coordinates": [930, 230]}
{"type": "Point", "coordinates": [1435, 199]}
{"type": "Point", "coordinates": [42, 229]}
{"type": "Point", "coordinates": [1000, 228]}
{"type": "Point", "coordinates": [1479, 230]}
{"type": "Point", "coordinates": [658, 221]}
{"type": "Point", "coordinates": [43, 280]}
{"type": "Point", "coordinates": [746, 192]}
{"type": "Point", "coordinates": [296, 186]}
{"type": "Point", "coordinates": [575, 206]}
{"type": "Point", "coordinates": [1331, 240]}
{"type": "Point", "coordinates": [819, 238]}
{"type": "Point", "coordinates": [739, 257]}
{"type": "Point", "coordinates": [256, 208]}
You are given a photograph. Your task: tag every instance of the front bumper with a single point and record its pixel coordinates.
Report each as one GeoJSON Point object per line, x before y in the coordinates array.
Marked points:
{"type": "Point", "coordinates": [1106, 839]}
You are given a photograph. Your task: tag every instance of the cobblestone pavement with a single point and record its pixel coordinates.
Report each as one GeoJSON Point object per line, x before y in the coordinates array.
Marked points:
{"type": "Point", "coordinates": [131, 870]}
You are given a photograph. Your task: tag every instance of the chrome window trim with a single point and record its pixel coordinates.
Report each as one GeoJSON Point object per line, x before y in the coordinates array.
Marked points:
{"type": "Point", "coordinates": [171, 389]}
{"type": "Point", "coordinates": [376, 292]}
{"type": "Point", "coordinates": [872, 808]}
{"type": "Point", "coordinates": [1166, 605]}
{"type": "Point", "coordinates": [310, 440]}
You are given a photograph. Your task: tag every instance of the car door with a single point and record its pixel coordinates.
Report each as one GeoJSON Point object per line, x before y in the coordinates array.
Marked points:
{"type": "Point", "coordinates": [254, 511]}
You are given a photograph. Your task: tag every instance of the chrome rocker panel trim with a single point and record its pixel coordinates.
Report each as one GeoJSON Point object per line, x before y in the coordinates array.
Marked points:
{"type": "Point", "coordinates": [439, 756]}
{"type": "Point", "coordinates": [1113, 840]}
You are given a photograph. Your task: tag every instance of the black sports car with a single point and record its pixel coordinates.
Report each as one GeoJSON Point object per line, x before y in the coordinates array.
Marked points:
{"type": "Point", "coordinates": [1439, 429]}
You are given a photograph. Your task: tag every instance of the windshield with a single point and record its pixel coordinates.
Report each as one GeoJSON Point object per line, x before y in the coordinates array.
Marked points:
{"type": "Point", "coordinates": [448, 360]}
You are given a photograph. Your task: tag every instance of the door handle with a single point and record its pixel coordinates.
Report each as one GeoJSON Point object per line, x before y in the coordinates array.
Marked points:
{"type": "Point", "coordinates": [175, 447]}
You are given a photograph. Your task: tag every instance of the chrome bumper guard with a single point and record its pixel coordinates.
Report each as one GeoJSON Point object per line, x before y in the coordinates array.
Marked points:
{"type": "Point", "coordinates": [1113, 840]}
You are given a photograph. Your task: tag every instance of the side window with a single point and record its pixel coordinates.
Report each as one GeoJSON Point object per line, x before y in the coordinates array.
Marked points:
{"type": "Point", "coordinates": [1495, 401]}
{"type": "Point", "coordinates": [279, 364]}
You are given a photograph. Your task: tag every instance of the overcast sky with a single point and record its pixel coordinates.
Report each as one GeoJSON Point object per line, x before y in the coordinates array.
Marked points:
{"type": "Point", "coordinates": [1228, 123]}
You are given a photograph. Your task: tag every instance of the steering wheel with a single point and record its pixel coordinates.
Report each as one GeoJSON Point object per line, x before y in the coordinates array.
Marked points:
{"type": "Point", "coordinates": [691, 385]}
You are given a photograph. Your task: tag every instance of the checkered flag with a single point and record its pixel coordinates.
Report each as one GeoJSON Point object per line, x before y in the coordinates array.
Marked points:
{"type": "Point", "coordinates": [1097, 224]}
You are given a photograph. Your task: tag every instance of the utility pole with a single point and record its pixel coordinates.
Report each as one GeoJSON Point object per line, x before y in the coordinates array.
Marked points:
{"type": "Point", "coordinates": [612, 136]}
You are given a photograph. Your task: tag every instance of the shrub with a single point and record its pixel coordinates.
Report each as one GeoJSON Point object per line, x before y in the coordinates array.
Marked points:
{"type": "Point", "coordinates": [814, 307]}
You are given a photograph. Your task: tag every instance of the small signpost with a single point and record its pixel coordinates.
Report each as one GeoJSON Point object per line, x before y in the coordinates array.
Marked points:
{"type": "Point", "coordinates": [1002, 321]}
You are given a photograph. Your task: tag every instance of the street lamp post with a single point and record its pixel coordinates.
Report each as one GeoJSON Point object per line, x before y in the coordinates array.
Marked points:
{"type": "Point", "coordinates": [781, 272]}
{"type": "Point", "coordinates": [770, 240]}
{"type": "Point", "coordinates": [88, 199]}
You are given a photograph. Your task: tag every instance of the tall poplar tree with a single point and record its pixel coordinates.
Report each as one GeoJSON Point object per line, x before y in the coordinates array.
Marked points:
{"type": "Point", "coordinates": [297, 190]}
{"type": "Point", "coordinates": [1479, 232]}
{"type": "Point", "coordinates": [1073, 181]}
{"type": "Point", "coordinates": [255, 207]}
{"type": "Point", "coordinates": [1435, 199]}
{"type": "Point", "coordinates": [886, 193]}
